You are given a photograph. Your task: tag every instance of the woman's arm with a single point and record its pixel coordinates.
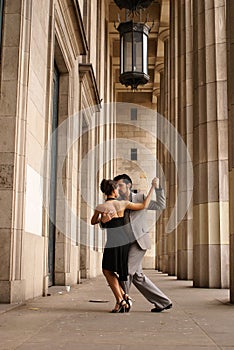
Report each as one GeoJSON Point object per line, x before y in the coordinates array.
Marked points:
{"type": "Point", "coordinates": [144, 204]}
{"type": "Point", "coordinates": [95, 218]}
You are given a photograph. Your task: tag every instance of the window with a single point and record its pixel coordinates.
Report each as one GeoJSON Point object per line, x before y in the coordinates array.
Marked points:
{"type": "Point", "coordinates": [133, 113]}
{"type": "Point", "coordinates": [133, 153]}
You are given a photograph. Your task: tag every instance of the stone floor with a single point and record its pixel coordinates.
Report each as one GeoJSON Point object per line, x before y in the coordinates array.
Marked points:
{"type": "Point", "coordinates": [79, 319]}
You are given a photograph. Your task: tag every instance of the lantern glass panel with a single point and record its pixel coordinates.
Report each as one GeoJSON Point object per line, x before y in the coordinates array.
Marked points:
{"type": "Point", "coordinates": [121, 54]}
{"type": "Point", "coordinates": [127, 52]}
{"type": "Point", "coordinates": [137, 52]}
{"type": "Point", "coordinates": [145, 54]}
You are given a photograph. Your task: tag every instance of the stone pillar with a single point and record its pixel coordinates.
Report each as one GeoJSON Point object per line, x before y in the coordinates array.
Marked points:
{"type": "Point", "coordinates": [211, 207]}
{"type": "Point", "coordinates": [160, 223]}
{"type": "Point", "coordinates": [230, 34]}
{"type": "Point", "coordinates": [185, 128]}
{"type": "Point", "coordinates": [173, 118]}
{"type": "Point", "coordinates": [164, 37]}
{"type": "Point", "coordinates": [158, 149]}
{"type": "Point", "coordinates": [13, 107]}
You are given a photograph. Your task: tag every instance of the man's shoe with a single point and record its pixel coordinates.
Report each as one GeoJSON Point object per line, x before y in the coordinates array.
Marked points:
{"type": "Point", "coordinates": [155, 309]}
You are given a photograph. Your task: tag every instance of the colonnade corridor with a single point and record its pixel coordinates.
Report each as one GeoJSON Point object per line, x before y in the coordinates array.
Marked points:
{"type": "Point", "coordinates": [69, 119]}
{"type": "Point", "coordinates": [201, 319]}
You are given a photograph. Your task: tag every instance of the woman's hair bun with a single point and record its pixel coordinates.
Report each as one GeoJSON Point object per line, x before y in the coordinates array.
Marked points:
{"type": "Point", "coordinates": [104, 185]}
{"type": "Point", "coordinates": [108, 186]}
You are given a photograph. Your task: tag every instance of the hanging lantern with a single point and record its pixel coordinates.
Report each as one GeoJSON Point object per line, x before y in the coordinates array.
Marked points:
{"type": "Point", "coordinates": [133, 53]}
{"type": "Point", "coordinates": [133, 5]}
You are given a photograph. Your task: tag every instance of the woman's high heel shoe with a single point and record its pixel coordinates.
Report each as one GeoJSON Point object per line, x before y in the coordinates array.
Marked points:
{"type": "Point", "coordinates": [120, 307]}
{"type": "Point", "coordinates": [128, 300]}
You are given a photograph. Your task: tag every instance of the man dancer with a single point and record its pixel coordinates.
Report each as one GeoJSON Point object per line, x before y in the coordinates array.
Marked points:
{"type": "Point", "coordinates": [137, 229]}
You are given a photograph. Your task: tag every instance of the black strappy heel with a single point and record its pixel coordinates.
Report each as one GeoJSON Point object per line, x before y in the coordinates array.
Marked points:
{"type": "Point", "coordinates": [122, 307]}
{"type": "Point", "coordinates": [128, 300]}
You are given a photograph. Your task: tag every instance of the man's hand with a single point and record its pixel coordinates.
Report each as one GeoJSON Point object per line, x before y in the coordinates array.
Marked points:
{"type": "Point", "coordinates": [107, 216]}
{"type": "Point", "coordinates": [155, 182]}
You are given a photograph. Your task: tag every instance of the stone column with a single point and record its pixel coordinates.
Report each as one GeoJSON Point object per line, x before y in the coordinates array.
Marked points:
{"type": "Point", "coordinates": [211, 207]}
{"type": "Point", "coordinates": [164, 37]}
{"type": "Point", "coordinates": [230, 34]}
{"type": "Point", "coordinates": [160, 222]}
{"type": "Point", "coordinates": [158, 150]}
{"type": "Point", "coordinates": [185, 128]}
{"type": "Point", "coordinates": [13, 107]}
{"type": "Point", "coordinates": [173, 117]}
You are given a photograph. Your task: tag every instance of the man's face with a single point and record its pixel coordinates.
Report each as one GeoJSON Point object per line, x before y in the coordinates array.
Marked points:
{"type": "Point", "coordinates": [123, 188]}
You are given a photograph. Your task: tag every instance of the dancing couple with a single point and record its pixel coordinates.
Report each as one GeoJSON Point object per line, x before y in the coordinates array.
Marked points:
{"type": "Point", "coordinates": [123, 216]}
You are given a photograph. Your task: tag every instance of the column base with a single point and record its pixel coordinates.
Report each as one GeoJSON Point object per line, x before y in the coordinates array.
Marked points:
{"type": "Point", "coordinates": [12, 291]}
{"type": "Point", "coordinates": [45, 285]}
{"type": "Point", "coordinates": [171, 264]}
{"type": "Point", "coordinates": [211, 266]}
{"type": "Point", "coordinates": [63, 279]}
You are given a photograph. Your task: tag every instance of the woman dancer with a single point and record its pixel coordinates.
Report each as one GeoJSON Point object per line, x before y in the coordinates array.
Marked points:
{"type": "Point", "coordinates": [115, 256]}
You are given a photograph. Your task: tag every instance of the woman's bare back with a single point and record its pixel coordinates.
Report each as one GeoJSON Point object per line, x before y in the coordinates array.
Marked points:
{"type": "Point", "coordinates": [113, 206]}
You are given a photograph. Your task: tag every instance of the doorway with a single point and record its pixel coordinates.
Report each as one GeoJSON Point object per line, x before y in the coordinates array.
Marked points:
{"type": "Point", "coordinates": [53, 179]}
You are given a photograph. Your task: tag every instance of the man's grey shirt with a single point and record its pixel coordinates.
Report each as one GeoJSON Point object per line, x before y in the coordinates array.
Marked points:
{"type": "Point", "coordinates": [138, 228]}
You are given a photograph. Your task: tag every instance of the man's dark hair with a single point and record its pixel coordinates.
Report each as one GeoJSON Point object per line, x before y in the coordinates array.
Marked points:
{"type": "Point", "coordinates": [126, 179]}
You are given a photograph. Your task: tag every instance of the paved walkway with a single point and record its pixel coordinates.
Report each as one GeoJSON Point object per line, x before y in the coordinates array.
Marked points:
{"type": "Point", "coordinates": [79, 319]}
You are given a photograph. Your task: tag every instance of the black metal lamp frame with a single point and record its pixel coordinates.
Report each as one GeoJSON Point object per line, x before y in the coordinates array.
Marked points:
{"type": "Point", "coordinates": [133, 76]}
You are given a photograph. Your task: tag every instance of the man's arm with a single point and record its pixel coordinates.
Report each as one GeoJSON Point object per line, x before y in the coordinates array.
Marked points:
{"type": "Point", "coordinates": [160, 202]}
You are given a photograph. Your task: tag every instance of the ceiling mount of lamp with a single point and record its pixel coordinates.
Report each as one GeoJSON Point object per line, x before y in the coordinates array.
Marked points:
{"type": "Point", "coordinates": [133, 5]}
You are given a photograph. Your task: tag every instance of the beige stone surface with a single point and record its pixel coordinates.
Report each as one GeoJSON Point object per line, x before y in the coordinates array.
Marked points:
{"type": "Point", "coordinates": [5, 254]}
{"type": "Point", "coordinates": [7, 129]}
{"type": "Point", "coordinates": [6, 176]}
{"type": "Point", "coordinates": [188, 72]}
{"type": "Point", "coordinates": [199, 319]}
{"type": "Point", "coordinates": [12, 23]}
{"type": "Point", "coordinates": [6, 199]}
{"type": "Point", "coordinates": [230, 34]}
{"type": "Point", "coordinates": [34, 103]}
{"type": "Point", "coordinates": [211, 230]}
{"type": "Point", "coordinates": [33, 267]}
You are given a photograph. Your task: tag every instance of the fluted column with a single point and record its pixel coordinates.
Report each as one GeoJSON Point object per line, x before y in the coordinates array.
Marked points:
{"type": "Point", "coordinates": [230, 34]}
{"type": "Point", "coordinates": [160, 156]}
{"type": "Point", "coordinates": [15, 52]}
{"type": "Point", "coordinates": [173, 118]}
{"type": "Point", "coordinates": [211, 231]}
{"type": "Point", "coordinates": [185, 128]}
{"type": "Point", "coordinates": [164, 37]}
{"type": "Point", "coordinates": [159, 221]}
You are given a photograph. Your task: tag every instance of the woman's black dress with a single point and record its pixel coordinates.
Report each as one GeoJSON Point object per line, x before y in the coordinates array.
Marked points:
{"type": "Point", "coordinates": [115, 256]}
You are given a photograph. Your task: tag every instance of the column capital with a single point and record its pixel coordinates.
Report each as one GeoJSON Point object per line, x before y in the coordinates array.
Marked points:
{"type": "Point", "coordinates": [164, 33]}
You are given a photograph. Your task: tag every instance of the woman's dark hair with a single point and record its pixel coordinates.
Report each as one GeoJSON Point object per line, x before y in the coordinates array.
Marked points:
{"type": "Point", "coordinates": [108, 186]}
